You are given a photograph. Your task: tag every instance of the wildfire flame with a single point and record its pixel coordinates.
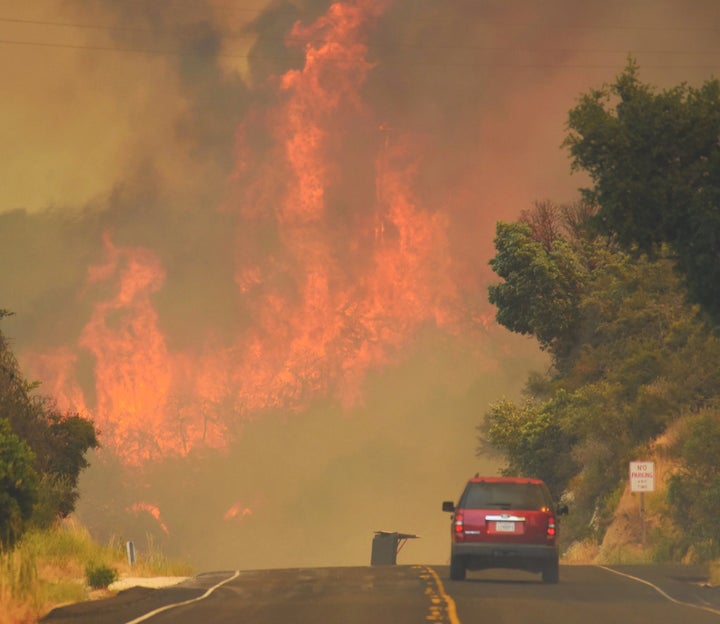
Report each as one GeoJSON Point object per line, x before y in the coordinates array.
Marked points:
{"type": "Point", "coordinates": [327, 303]}
{"type": "Point", "coordinates": [238, 511]}
{"type": "Point", "coordinates": [57, 368]}
{"type": "Point", "coordinates": [154, 511]}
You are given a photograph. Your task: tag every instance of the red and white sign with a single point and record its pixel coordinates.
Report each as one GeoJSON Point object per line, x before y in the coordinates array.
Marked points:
{"type": "Point", "coordinates": [642, 476]}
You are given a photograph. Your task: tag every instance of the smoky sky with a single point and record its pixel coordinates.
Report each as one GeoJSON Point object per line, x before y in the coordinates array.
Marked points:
{"type": "Point", "coordinates": [104, 135]}
{"type": "Point", "coordinates": [185, 146]}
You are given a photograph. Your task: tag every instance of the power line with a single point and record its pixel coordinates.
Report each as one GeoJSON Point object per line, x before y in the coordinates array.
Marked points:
{"type": "Point", "coordinates": [12, 20]}
{"type": "Point", "coordinates": [319, 41]}
{"type": "Point", "coordinates": [470, 64]}
{"type": "Point", "coordinates": [71, 46]}
{"type": "Point", "coordinates": [233, 7]}
{"type": "Point", "coordinates": [398, 46]}
{"type": "Point", "coordinates": [229, 7]}
{"type": "Point", "coordinates": [548, 27]}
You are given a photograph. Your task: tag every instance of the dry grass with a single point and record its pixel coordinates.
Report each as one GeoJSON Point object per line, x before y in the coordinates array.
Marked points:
{"type": "Point", "coordinates": [625, 554]}
{"type": "Point", "coordinates": [714, 573]}
{"type": "Point", "coordinates": [581, 553]}
{"type": "Point", "coordinates": [47, 569]}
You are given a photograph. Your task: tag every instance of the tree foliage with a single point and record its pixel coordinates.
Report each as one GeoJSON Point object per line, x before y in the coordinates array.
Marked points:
{"type": "Point", "coordinates": [654, 160]}
{"type": "Point", "coordinates": [543, 280]}
{"type": "Point", "coordinates": [57, 444]}
{"type": "Point", "coordinates": [532, 440]}
{"type": "Point", "coordinates": [694, 491]}
{"type": "Point", "coordinates": [613, 292]}
{"type": "Point", "coordinates": [18, 485]}
{"type": "Point", "coordinates": [637, 360]}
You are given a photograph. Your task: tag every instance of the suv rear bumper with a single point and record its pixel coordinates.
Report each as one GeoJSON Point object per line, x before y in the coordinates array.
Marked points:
{"type": "Point", "coordinates": [502, 555]}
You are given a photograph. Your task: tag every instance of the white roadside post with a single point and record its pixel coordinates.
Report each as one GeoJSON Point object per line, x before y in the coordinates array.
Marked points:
{"type": "Point", "coordinates": [131, 553]}
{"type": "Point", "coordinates": [642, 479]}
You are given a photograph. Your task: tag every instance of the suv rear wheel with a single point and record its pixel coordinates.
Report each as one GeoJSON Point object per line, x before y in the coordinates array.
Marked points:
{"type": "Point", "coordinates": [551, 572]}
{"type": "Point", "coordinates": [457, 569]}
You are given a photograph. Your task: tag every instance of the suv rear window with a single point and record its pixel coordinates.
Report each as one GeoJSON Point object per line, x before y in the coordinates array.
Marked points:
{"type": "Point", "coordinates": [505, 496]}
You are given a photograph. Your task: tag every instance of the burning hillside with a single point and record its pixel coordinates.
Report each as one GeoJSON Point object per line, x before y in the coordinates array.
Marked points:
{"type": "Point", "coordinates": [337, 264]}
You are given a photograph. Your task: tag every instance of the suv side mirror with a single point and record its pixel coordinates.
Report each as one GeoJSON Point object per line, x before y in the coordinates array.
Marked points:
{"type": "Point", "coordinates": [562, 510]}
{"type": "Point", "coordinates": [448, 506]}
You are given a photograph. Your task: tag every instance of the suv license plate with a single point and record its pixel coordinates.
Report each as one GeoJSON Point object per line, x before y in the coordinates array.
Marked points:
{"type": "Point", "coordinates": [505, 527]}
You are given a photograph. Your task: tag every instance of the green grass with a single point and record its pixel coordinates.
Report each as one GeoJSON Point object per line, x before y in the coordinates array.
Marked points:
{"type": "Point", "coordinates": [58, 566]}
{"type": "Point", "coordinates": [69, 542]}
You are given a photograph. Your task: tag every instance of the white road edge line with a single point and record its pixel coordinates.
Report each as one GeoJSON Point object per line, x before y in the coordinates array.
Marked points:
{"type": "Point", "coordinates": [661, 592]}
{"type": "Point", "coordinates": [150, 614]}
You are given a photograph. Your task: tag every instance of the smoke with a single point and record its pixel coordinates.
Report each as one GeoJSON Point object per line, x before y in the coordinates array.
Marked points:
{"type": "Point", "coordinates": [251, 243]}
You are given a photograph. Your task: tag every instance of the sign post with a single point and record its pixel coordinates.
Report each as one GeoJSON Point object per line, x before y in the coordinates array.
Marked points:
{"type": "Point", "coordinates": [642, 479]}
{"type": "Point", "coordinates": [131, 553]}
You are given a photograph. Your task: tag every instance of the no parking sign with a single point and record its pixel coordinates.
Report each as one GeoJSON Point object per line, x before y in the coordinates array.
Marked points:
{"type": "Point", "coordinates": [642, 476]}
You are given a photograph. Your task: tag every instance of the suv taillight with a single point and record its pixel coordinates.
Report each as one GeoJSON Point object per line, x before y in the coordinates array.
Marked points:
{"type": "Point", "coordinates": [551, 527]}
{"type": "Point", "coordinates": [458, 526]}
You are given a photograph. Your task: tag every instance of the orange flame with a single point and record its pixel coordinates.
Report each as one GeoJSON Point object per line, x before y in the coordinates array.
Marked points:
{"type": "Point", "coordinates": [154, 511]}
{"type": "Point", "coordinates": [327, 306]}
{"type": "Point", "coordinates": [238, 511]}
{"type": "Point", "coordinates": [133, 371]}
{"type": "Point", "coordinates": [57, 368]}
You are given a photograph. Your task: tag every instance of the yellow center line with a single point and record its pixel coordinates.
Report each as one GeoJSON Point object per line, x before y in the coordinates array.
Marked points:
{"type": "Point", "coordinates": [440, 595]}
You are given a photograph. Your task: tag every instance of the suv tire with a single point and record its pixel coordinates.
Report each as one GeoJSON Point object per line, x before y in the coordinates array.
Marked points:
{"type": "Point", "coordinates": [457, 569]}
{"type": "Point", "coordinates": [551, 572]}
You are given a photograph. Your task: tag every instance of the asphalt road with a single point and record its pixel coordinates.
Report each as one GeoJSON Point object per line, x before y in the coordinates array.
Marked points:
{"type": "Point", "coordinates": [413, 594]}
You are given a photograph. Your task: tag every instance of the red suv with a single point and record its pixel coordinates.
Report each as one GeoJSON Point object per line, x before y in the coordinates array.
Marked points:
{"type": "Point", "coordinates": [505, 522]}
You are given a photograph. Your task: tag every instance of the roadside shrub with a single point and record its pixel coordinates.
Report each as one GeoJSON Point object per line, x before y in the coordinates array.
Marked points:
{"type": "Point", "coordinates": [100, 576]}
{"type": "Point", "coordinates": [667, 545]}
{"type": "Point", "coordinates": [694, 490]}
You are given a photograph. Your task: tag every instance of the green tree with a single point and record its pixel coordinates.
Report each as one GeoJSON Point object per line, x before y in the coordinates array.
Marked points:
{"type": "Point", "coordinates": [533, 442]}
{"type": "Point", "coordinates": [654, 160]}
{"type": "Point", "coordinates": [694, 491]}
{"type": "Point", "coordinates": [637, 359]}
{"type": "Point", "coordinates": [59, 441]}
{"type": "Point", "coordinates": [605, 290]}
{"type": "Point", "coordinates": [61, 457]}
{"type": "Point", "coordinates": [543, 281]}
{"type": "Point", "coordinates": [18, 485]}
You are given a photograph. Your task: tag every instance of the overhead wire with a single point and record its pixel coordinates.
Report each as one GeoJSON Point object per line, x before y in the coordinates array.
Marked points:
{"type": "Point", "coordinates": [400, 46]}
{"type": "Point", "coordinates": [234, 7]}
{"type": "Point", "coordinates": [314, 40]}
